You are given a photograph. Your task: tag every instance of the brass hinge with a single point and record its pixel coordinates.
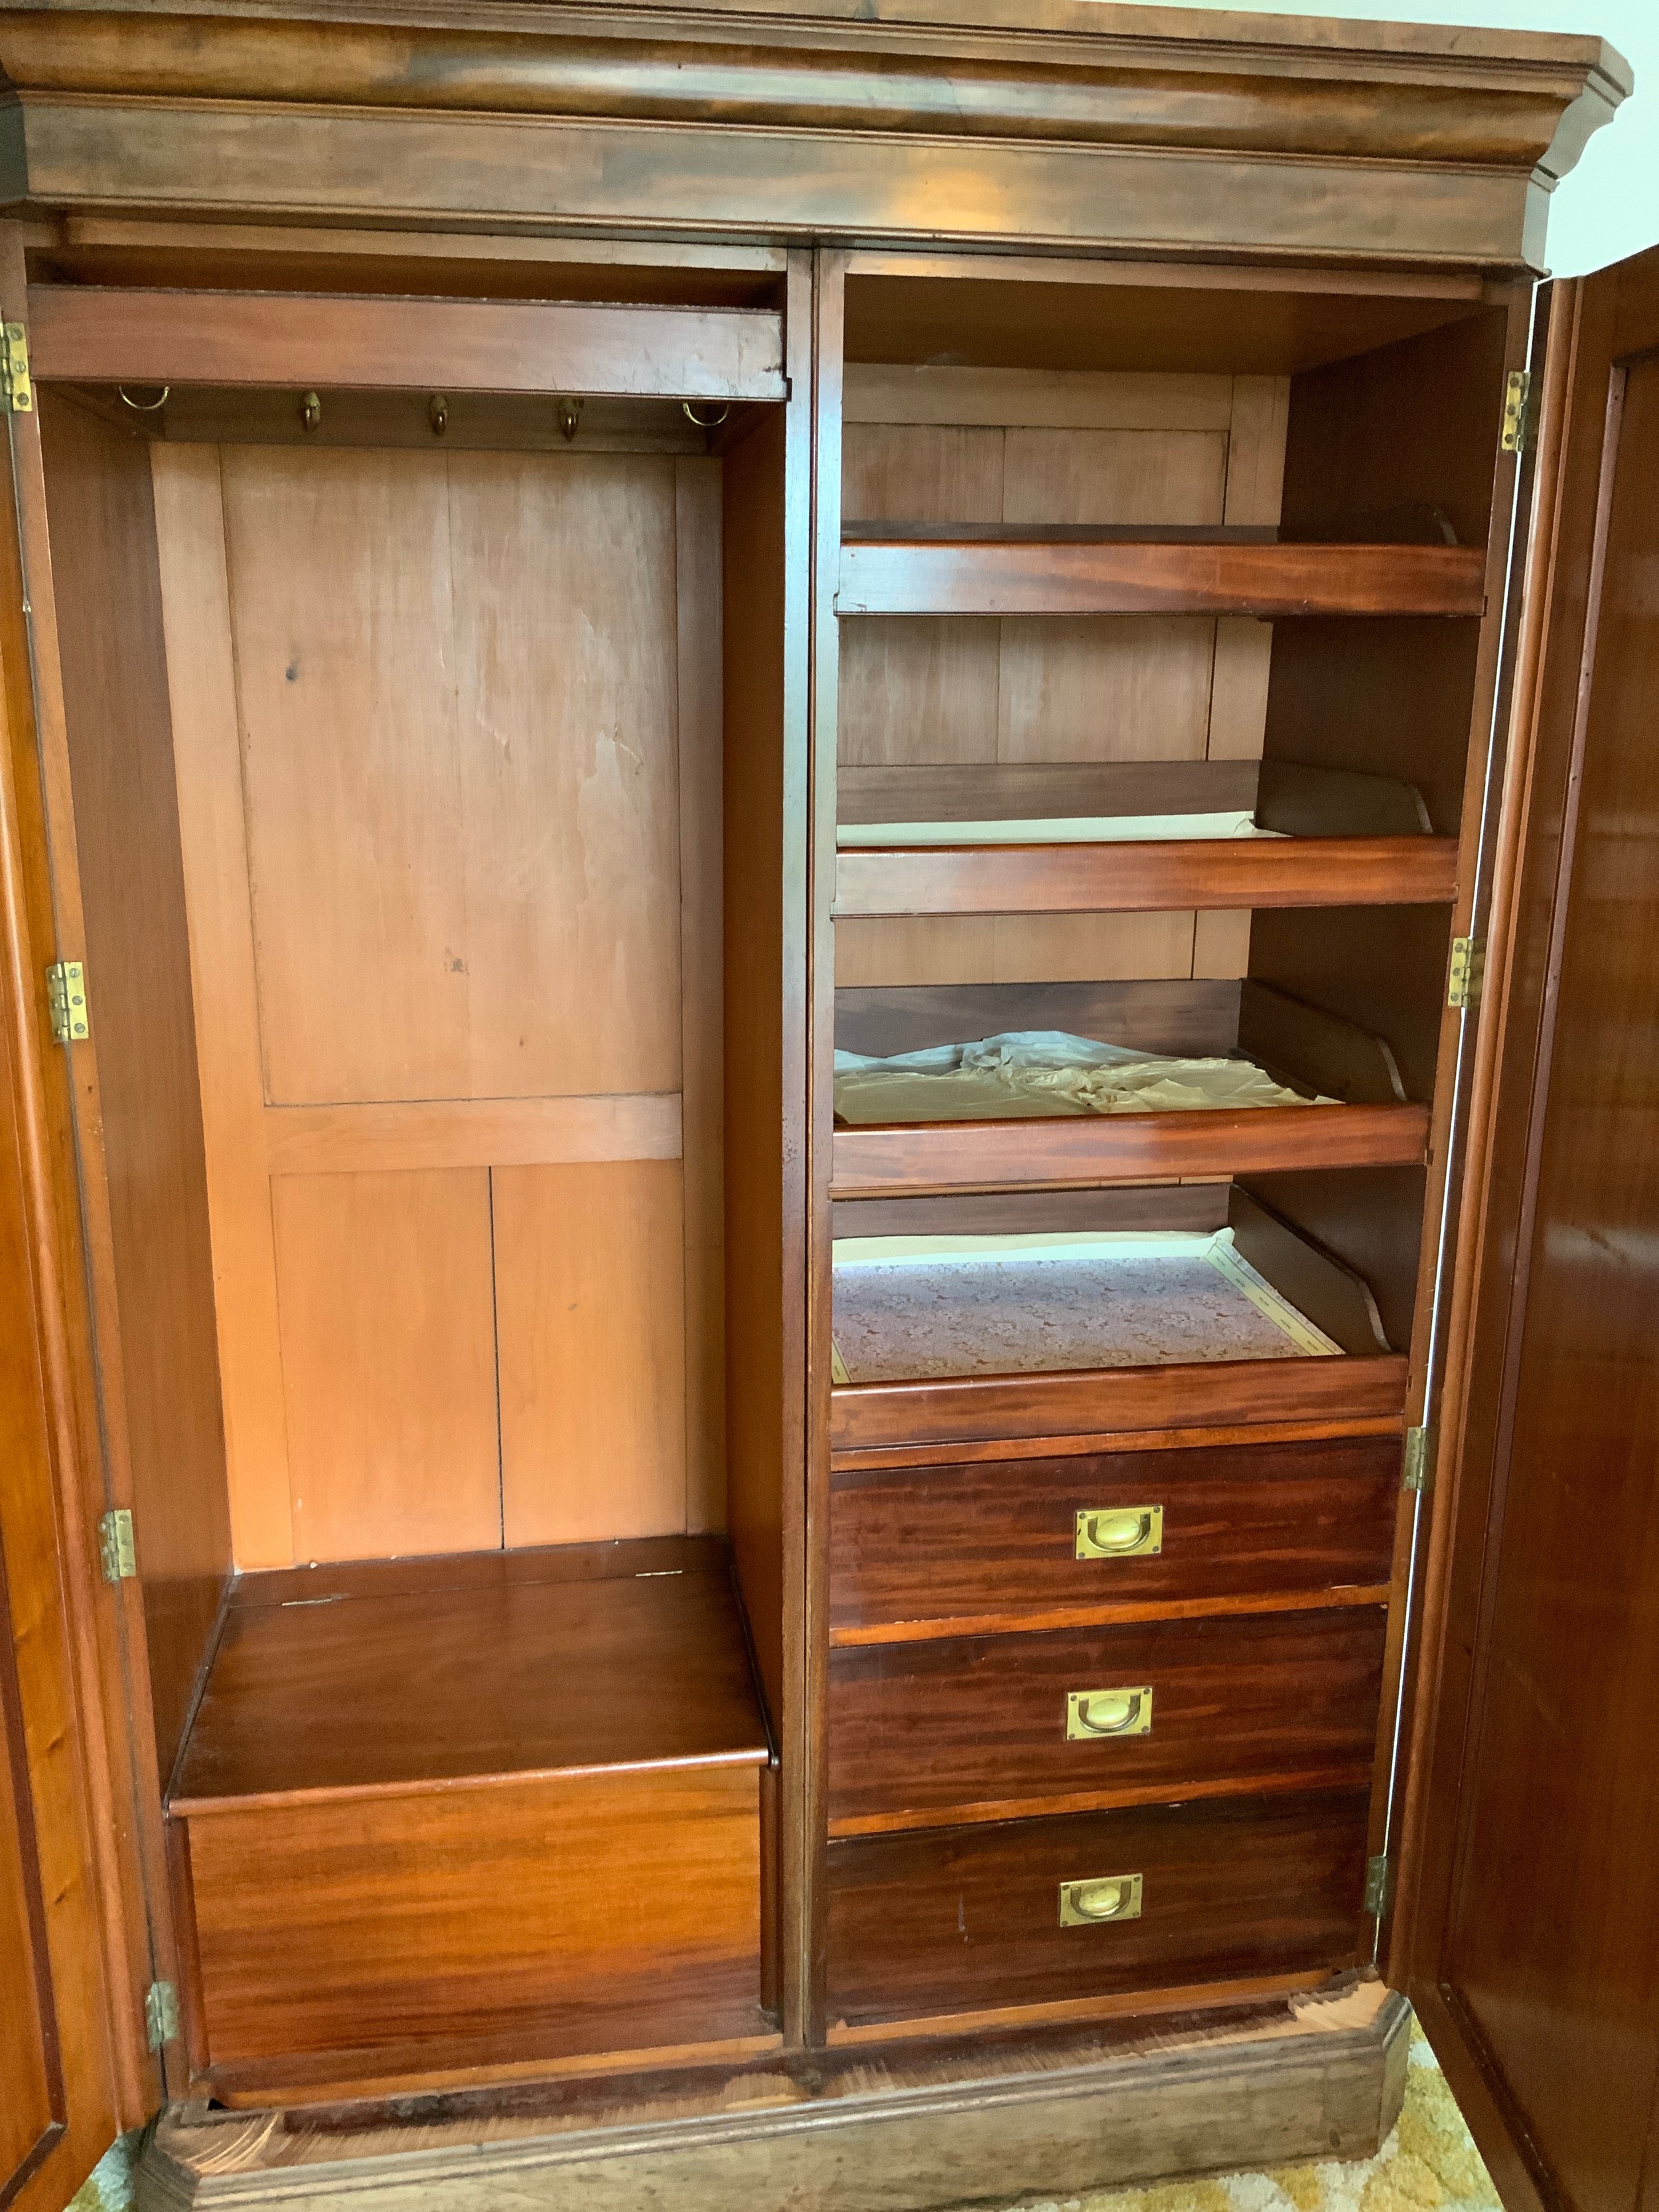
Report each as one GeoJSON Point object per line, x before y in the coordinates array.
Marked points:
{"type": "Point", "coordinates": [1468, 962]}
{"type": "Point", "coordinates": [66, 997]}
{"type": "Point", "coordinates": [161, 2013]}
{"type": "Point", "coordinates": [14, 385]}
{"type": "Point", "coordinates": [1517, 411]}
{"type": "Point", "coordinates": [116, 1549]}
{"type": "Point", "coordinates": [1377, 1872]}
{"type": "Point", "coordinates": [1418, 1460]}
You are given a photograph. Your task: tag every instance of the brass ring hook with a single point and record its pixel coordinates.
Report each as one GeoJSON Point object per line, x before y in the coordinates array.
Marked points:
{"type": "Point", "coordinates": [714, 421]}
{"type": "Point", "coordinates": [143, 406]}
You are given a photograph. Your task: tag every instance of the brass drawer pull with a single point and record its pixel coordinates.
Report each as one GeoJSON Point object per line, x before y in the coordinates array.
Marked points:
{"type": "Point", "coordinates": [1119, 1532]}
{"type": "Point", "coordinates": [1091, 1904]}
{"type": "Point", "coordinates": [1108, 1712]}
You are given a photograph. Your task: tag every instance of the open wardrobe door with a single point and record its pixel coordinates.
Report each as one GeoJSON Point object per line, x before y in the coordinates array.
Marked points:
{"type": "Point", "coordinates": [1529, 1933]}
{"type": "Point", "coordinates": [57, 2109]}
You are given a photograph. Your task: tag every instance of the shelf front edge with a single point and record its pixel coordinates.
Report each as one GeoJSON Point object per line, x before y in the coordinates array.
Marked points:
{"type": "Point", "coordinates": [970, 1408]}
{"type": "Point", "coordinates": [891, 1160]}
{"type": "Point", "coordinates": [1164, 876]}
{"type": "Point", "coordinates": [992, 576]}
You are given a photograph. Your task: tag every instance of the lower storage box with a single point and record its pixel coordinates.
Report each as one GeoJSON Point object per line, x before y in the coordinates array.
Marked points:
{"type": "Point", "coordinates": [930, 1924]}
{"type": "Point", "coordinates": [545, 1915]}
{"type": "Point", "coordinates": [499, 1810]}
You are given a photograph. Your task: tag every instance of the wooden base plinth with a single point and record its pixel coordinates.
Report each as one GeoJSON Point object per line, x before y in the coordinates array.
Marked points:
{"type": "Point", "coordinates": [888, 2129]}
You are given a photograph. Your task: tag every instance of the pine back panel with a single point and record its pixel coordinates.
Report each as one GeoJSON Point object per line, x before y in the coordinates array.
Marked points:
{"type": "Point", "coordinates": [449, 792]}
{"type": "Point", "coordinates": [1014, 446]}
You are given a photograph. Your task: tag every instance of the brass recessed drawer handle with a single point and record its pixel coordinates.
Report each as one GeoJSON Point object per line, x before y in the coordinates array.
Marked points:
{"type": "Point", "coordinates": [1092, 1904]}
{"type": "Point", "coordinates": [1108, 1712]}
{"type": "Point", "coordinates": [1119, 1532]}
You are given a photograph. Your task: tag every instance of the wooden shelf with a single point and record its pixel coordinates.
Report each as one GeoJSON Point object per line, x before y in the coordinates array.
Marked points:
{"type": "Point", "coordinates": [1168, 876]}
{"type": "Point", "coordinates": [886, 1160]}
{"type": "Point", "coordinates": [1064, 574]}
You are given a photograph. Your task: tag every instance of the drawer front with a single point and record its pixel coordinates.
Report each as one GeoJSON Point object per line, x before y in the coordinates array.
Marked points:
{"type": "Point", "coordinates": [555, 1915]}
{"type": "Point", "coordinates": [963, 1726]}
{"type": "Point", "coordinates": [982, 1540]}
{"type": "Point", "coordinates": [964, 1920]}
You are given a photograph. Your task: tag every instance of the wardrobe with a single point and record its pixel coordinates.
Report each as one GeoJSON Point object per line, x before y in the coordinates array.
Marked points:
{"type": "Point", "coordinates": [827, 1228]}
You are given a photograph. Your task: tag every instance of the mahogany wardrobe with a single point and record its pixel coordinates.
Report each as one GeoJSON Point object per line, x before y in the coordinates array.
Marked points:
{"type": "Point", "coordinates": [828, 1210]}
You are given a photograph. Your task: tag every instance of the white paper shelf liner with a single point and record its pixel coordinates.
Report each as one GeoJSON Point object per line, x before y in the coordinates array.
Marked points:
{"type": "Point", "coordinates": [919, 1308]}
{"type": "Point", "coordinates": [1055, 829]}
{"type": "Point", "coordinates": [1043, 1074]}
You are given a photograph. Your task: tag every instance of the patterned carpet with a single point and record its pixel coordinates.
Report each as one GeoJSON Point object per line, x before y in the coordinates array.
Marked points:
{"type": "Point", "coordinates": [1429, 2164]}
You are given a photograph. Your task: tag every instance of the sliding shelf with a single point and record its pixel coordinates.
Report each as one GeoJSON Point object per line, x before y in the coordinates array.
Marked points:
{"type": "Point", "coordinates": [1072, 572]}
{"type": "Point", "coordinates": [1363, 1379]}
{"type": "Point", "coordinates": [888, 1145]}
{"type": "Point", "coordinates": [1168, 875]}
{"type": "Point", "coordinates": [886, 1160]}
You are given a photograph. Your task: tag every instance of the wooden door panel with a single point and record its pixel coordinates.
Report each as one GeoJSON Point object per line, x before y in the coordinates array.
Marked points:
{"type": "Point", "coordinates": [31, 2079]}
{"type": "Point", "coordinates": [456, 679]}
{"type": "Point", "coordinates": [1533, 1941]}
{"type": "Point", "coordinates": [65, 2022]}
{"type": "Point", "coordinates": [446, 734]}
{"type": "Point", "coordinates": [591, 1321]}
{"type": "Point", "coordinates": [388, 1362]}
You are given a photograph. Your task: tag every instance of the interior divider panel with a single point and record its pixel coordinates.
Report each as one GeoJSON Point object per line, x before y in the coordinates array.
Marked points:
{"type": "Point", "coordinates": [1075, 574]}
{"type": "Point", "coordinates": [998, 1727]}
{"type": "Point", "coordinates": [882, 1161]}
{"type": "Point", "coordinates": [1172, 875]}
{"type": "Point", "coordinates": [938, 1549]}
{"type": "Point", "coordinates": [1211, 1394]}
{"type": "Point", "coordinates": [966, 1920]}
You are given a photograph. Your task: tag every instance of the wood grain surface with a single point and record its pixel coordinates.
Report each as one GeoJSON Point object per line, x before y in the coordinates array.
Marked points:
{"type": "Point", "coordinates": [1216, 1393]}
{"type": "Point", "coordinates": [956, 1919]}
{"type": "Point", "coordinates": [351, 1687]}
{"type": "Point", "coordinates": [974, 1728]}
{"type": "Point", "coordinates": [913, 1543]}
{"type": "Point", "coordinates": [1163, 877]}
{"type": "Point", "coordinates": [558, 1914]}
{"type": "Point", "coordinates": [137, 337]}
{"type": "Point", "coordinates": [1216, 1142]}
{"type": "Point", "coordinates": [989, 576]}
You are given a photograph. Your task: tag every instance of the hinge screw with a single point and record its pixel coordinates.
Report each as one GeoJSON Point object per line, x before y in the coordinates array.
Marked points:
{"type": "Point", "coordinates": [160, 2015]}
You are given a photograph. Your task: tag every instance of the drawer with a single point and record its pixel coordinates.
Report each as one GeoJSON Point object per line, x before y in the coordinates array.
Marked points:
{"type": "Point", "coordinates": [965, 1920]}
{"type": "Point", "coordinates": [977, 1727]}
{"type": "Point", "coordinates": [977, 1542]}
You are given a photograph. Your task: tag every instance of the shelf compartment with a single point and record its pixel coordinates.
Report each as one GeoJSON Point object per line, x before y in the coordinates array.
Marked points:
{"type": "Point", "coordinates": [413, 1790]}
{"type": "Point", "coordinates": [1299, 1045]}
{"type": "Point", "coordinates": [972, 1728]}
{"type": "Point", "coordinates": [1364, 1379]}
{"type": "Point", "coordinates": [943, 1922]}
{"type": "Point", "coordinates": [1172, 875]}
{"type": "Point", "coordinates": [1072, 572]}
